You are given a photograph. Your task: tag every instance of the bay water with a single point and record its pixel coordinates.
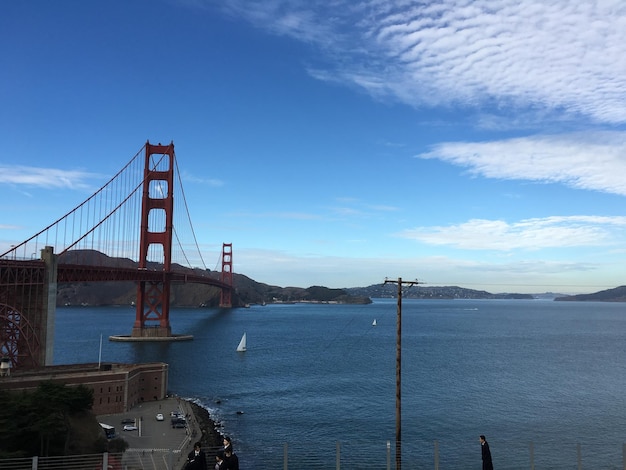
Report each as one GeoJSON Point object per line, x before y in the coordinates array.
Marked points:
{"type": "Point", "coordinates": [545, 381]}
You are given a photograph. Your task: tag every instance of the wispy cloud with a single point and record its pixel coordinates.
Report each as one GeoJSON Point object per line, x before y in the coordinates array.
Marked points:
{"type": "Point", "coordinates": [299, 19]}
{"type": "Point", "coordinates": [345, 211]}
{"type": "Point", "coordinates": [45, 177]}
{"type": "Point", "coordinates": [282, 268]}
{"type": "Point", "coordinates": [351, 206]}
{"type": "Point", "coordinates": [529, 234]}
{"type": "Point", "coordinates": [214, 182]}
{"type": "Point", "coordinates": [383, 208]}
{"type": "Point", "coordinates": [594, 161]}
{"type": "Point", "coordinates": [561, 55]}
{"type": "Point", "coordinates": [278, 215]}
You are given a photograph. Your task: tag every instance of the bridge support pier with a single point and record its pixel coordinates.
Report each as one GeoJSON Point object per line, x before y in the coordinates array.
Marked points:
{"type": "Point", "coordinates": [152, 332]}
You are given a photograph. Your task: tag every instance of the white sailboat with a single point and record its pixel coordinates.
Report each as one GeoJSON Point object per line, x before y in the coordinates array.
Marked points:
{"type": "Point", "coordinates": [374, 322]}
{"type": "Point", "coordinates": [242, 344]}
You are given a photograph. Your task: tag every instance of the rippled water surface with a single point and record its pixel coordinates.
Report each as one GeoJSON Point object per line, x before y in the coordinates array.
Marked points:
{"type": "Point", "coordinates": [550, 373]}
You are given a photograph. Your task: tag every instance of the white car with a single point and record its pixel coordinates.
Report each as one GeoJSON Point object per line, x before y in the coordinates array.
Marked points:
{"type": "Point", "coordinates": [159, 417]}
{"type": "Point", "coordinates": [130, 427]}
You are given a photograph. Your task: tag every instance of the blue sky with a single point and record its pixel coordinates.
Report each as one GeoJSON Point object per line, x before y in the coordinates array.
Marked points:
{"type": "Point", "coordinates": [337, 143]}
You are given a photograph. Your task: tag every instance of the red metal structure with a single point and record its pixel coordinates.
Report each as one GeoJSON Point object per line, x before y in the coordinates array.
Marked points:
{"type": "Point", "coordinates": [26, 329]}
{"type": "Point", "coordinates": [22, 322]}
{"type": "Point", "coordinates": [28, 286]}
{"type": "Point", "coordinates": [153, 297]}
{"type": "Point", "coordinates": [227, 274]}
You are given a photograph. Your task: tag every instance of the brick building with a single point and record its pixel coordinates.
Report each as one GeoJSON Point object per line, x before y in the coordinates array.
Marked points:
{"type": "Point", "coordinates": [116, 387]}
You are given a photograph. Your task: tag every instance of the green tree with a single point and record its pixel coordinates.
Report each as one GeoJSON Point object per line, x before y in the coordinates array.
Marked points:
{"type": "Point", "coordinates": [37, 423]}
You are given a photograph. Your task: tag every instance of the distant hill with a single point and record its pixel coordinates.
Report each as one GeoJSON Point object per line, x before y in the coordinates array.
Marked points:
{"type": "Point", "coordinates": [618, 294]}
{"type": "Point", "coordinates": [422, 292]}
{"type": "Point", "coordinates": [249, 291]}
{"type": "Point", "coordinates": [246, 292]}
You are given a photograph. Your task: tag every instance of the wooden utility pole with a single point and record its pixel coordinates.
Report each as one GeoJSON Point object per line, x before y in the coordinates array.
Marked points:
{"type": "Point", "coordinates": [400, 282]}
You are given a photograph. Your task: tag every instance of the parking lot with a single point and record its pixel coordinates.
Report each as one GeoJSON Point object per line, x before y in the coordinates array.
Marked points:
{"type": "Point", "coordinates": [152, 435]}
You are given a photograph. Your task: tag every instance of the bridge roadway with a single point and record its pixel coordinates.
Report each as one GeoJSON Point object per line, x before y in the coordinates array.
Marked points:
{"type": "Point", "coordinates": [82, 273]}
{"type": "Point", "coordinates": [13, 271]}
{"type": "Point", "coordinates": [157, 438]}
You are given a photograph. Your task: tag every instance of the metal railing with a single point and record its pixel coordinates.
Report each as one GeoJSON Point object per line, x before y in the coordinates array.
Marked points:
{"type": "Point", "coordinates": [344, 456]}
{"type": "Point", "coordinates": [155, 459]}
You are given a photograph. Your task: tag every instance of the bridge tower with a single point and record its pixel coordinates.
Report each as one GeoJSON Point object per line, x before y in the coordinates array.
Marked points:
{"type": "Point", "coordinates": [227, 275]}
{"type": "Point", "coordinates": [153, 297]}
{"type": "Point", "coordinates": [27, 308]}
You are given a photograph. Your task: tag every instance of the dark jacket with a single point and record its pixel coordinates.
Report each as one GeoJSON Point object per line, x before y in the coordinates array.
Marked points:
{"type": "Point", "coordinates": [196, 462]}
{"type": "Point", "coordinates": [231, 462]}
{"type": "Point", "coordinates": [487, 464]}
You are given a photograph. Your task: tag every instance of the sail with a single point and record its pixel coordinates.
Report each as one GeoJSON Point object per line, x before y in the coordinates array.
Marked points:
{"type": "Point", "coordinates": [242, 344]}
{"type": "Point", "coordinates": [374, 322]}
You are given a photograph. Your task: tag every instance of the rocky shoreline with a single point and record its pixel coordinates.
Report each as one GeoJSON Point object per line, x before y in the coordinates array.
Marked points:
{"type": "Point", "coordinates": [211, 439]}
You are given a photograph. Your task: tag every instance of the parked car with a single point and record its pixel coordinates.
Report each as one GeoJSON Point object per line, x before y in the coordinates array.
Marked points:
{"type": "Point", "coordinates": [178, 425]}
{"type": "Point", "coordinates": [159, 417]}
{"type": "Point", "coordinates": [130, 427]}
{"type": "Point", "coordinates": [181, 420]}
{"type": "Point", "coordinates": [128, 421]}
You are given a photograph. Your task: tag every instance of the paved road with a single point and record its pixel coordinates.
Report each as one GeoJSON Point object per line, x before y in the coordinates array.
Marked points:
{"type": "Point", "coordinates": [153, 435]}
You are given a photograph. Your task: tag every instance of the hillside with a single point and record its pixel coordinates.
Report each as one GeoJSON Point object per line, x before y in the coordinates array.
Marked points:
{"type": "Point", "coordinates": [617, 294]}
{"type": "Point", "coordinates": [247, 291]}
{"type": "Point", "coordinates": [422, 292]}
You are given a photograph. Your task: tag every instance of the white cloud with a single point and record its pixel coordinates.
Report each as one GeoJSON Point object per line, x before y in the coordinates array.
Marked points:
{"type": "Point", "coordinates": [584, 161]}
{"type": "Point", "coordinates": [44, 177]}
{"type": "Point", "coordinates": [559, 55]}
{"type": "Point", "coordinates": [298, 19]}
{"type": "Point", "coordinates": [529, 234]}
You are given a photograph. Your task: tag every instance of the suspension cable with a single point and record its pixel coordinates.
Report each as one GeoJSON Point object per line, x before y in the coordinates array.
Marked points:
{"type": "Point", "coordinates": [193, 233]}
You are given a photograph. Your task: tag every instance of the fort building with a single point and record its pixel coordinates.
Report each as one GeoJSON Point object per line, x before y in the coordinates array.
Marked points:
{"type": "Point", "coordinates": [116, 387]}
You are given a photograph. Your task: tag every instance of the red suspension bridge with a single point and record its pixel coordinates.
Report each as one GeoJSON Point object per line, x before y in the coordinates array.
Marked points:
{"type": "Point", "coordinates": [125, 231]}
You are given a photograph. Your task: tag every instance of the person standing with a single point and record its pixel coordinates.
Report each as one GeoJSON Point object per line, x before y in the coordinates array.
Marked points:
{"type": "Point", "coordinates": [486, 453]}
{"type": "Point", "coordinates": [219, 461]}
{"type": "Point", "coordinates": [228, 445]}
{"type": "Point", "coordinates": [196, 460]}
{"type": "Point", "coordinates": [231, 460]}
